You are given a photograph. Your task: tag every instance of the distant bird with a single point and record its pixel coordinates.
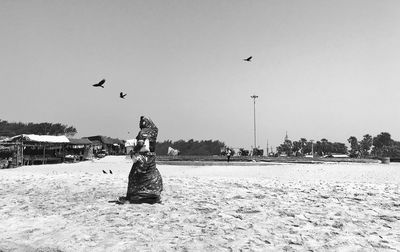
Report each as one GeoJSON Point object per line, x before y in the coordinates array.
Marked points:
{"type": "Point", "coordinates": [248, 59]}
{"type": "Point", "coordinates": [100, 84]}
{"type": "Point", "coordinates": [122, 95]}
{"type": "Point", "coordinates": [110, 172]}
{"type": "Point", "coordinates": [104, 172]}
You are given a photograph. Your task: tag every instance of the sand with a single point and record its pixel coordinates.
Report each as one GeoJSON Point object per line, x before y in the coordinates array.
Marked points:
{"type": "Point", "coordinates": [285, 207]}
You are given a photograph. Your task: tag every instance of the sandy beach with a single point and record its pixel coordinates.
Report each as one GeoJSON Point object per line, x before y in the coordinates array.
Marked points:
{"type": "Point", "coordinates": [275, 207]}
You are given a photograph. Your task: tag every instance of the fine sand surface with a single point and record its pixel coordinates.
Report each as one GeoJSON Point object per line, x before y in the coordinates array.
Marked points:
{"type": "Point", "coordinates": [285, 207]}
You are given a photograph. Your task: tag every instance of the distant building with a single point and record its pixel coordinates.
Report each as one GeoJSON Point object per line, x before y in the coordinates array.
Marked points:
{"type": "Point", "coordinates": [28, 149]}
{"type": "Point", "coordinates": [129, 145]}
{"type": "Point", "coordinates": [79, 149]}
{"type": "Point", "coordinates": [336, 155]}
{"type": "Point", "coordinates": [112, 146]}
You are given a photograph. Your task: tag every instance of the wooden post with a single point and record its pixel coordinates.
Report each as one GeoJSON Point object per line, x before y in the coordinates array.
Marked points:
{"type": "Point", "coordinates": [16, 154]}
{"type": "Point", "coordinates": [22, 153]}
{"type": "Point", "coordinates": [44, 153]}
{"type": "Point", "coordinates": [63, 153]}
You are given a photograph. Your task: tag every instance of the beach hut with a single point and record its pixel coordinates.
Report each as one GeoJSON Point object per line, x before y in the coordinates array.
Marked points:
{"type": "Point", "coordinates": [78, 149]}
{"type": "Point", "coordinates": [36, 149]}
{"type": "Point", "coordinates": [111, 146]}
{"type": "Point", "coordinates": [6, 153]}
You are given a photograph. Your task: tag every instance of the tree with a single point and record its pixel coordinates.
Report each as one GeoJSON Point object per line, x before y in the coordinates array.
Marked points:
{"type": "Point", "coordinates": [303, 143]}
{"type": "Point", "coordinates": [354, 147]}
{"type": "Point", "coordinates": [286, 147]}
{"type": "Point", "coordinates": [326, 146]}
{"type": "Point", "coordinates": [12, 129]}
{"type": "Point", "coordinates": [381, 140]}
{"type": "Point", "coordinates": [381, 144]}
{"type": "Point", "coordinates": [365, 145]}
{"type": "Point", "coordinates": [307, 148]}
{"type": "Point", "coordinates": [339, 148]}
{"type": "Point", "coordinates": [394, 150]}
{"type": "Point", "coordinates": [296, 147]}
{"type": "Point", "coordinates": [70, 131]}
{"type": "Point", "coordinates": [318, 148]}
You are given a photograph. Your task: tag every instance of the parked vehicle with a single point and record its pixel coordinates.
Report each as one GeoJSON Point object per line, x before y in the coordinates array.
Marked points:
{"type": "Point", "coordinates": [101, 153]}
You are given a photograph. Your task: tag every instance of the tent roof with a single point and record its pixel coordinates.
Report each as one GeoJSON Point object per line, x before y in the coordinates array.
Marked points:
{"type": "Point", "coordinates": [96, 142]}
{"type": "Point", "coordinates": [105, 139]}
{"type": "Point", "coordinates": [39, 138]}
{"type": "Point", "coordinates": [81, 141]}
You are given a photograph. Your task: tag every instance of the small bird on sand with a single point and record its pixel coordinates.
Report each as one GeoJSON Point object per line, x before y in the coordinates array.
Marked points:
{"type": "Point", "coordinates": [248, 59]}
{"type": "Point", "coordinates": [100, 84]}
{"type": "Point", "coordinates": [104, 172]}
{"type": "Point", "coordinates": [122, 95]}
{"type": "Point", "coordinates": [110, 172]}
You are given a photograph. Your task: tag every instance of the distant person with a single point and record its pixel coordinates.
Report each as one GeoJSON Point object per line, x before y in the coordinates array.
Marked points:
{"type": "Point", "coordinates": [228, 154]}
{"type": "Point", "coordinates": [145, 182]}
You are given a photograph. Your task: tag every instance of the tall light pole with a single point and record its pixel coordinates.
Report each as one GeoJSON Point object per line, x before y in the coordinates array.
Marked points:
{"type": "Point", "coordinates": [254, 97]}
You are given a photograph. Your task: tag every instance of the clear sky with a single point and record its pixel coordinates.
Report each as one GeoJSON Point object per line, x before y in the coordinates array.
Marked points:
{"type": "Point", "coordinates": [321, 69]}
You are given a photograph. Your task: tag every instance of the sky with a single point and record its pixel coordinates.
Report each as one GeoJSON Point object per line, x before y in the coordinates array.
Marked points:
{"type": "Point", "coordinates": [321, 69]}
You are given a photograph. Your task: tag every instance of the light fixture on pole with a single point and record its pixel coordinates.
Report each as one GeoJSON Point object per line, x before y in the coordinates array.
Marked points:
{"type": "Point", "coordinates": [254, 97]}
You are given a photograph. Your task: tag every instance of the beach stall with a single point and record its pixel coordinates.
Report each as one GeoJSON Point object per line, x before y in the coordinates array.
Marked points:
{"type": "Point", "coordinates": [78, 149]}
{"type": "Point", "coordinates": [129, 145]}
{"type": "Point", "coordinates": [109, 146]}
{"type": "Point", "coordinates": [6, 153]}
{"type": "Point", "coordinates": [28, 149]}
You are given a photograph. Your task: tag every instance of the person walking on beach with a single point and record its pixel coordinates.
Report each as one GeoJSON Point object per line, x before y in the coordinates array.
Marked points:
{"type": "Point", "coordinates": [144, 181]}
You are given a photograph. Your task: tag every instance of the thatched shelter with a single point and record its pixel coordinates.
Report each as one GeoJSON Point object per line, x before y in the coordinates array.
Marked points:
{"type": "Point", "coordinates": [35, 149]}
{"type": "Point", "coordinates": [6, 153]}
{"type": "Point", "coordinates": [78, 149]}
{"type": "Point", "coordinates": [112, 146]}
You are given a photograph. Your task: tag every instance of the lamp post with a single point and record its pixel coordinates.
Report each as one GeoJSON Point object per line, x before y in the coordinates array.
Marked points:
{"type": "Point", "coordinates": [254, 97]}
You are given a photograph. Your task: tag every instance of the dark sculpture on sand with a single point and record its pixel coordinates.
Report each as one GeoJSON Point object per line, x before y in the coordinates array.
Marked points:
{"type": "Point", "coordinates": [145, 182]}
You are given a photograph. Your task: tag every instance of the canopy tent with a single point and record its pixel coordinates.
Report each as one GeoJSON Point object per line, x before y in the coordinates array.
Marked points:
{"type": "Point", "coordinates": [81, 141]}
{"type": "Point", "coordinates": [38, 138]}
{"type": "Point", "coordinates": [129, 145]}
{"type": "Point", "coordinates": [172, 152]}
{"type": "Point", "coordinates": [33, 149]}
{"type": "Point", "coordinates": [130, 142]}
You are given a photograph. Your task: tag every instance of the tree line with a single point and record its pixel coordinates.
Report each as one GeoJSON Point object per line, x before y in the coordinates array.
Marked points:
{"type": "Point", "coordinates": [381, 145]}
{"type": "Point", "coordinates": [10, 129]}
{"type": "Point", "coordinates": [191, 147]}
{"type": "Point", "coordinates": [303, 147]}
{"type": "Point", "coordinates": [368, 147]}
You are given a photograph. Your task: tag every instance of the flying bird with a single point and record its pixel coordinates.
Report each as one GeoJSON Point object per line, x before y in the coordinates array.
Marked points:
{"type": "Point", "coordinates": [100, 84]}
{"type": "Point", "coordinates": [110, 172]}
{"type": "Point", "coordinates": [122, 95]}
{"type": "Point", "coordinates": [104, 172]}
{"type": "Point", "coordinates": [248, 59]}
